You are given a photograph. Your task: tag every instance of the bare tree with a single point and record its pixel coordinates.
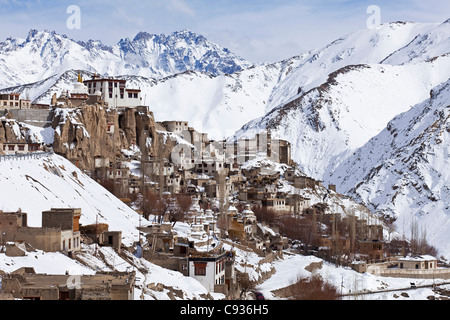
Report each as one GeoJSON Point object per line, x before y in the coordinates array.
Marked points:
{"type": "Point", "coordinates": [183, 203]}
{"type": "Point", "coordinates": [153, 204]}
{"type": "Point", "coordinates": [244, 283]}
{"type": "Point", "coordinates": [313, 288]}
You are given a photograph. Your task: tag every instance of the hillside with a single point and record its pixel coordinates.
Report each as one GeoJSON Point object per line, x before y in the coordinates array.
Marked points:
{"type": "Point", "coordinates": [50, 180]}
{"type": "Point", "coordinates": [352, 106]}
{"type": "Point", "coordinates": [403, 171]}
{"type": "Point", "coordinates": [393, 43]}
{"type": "Point", "coordinates": [39, 183]}
{"type": "Point", "coordinates": [219, 106]}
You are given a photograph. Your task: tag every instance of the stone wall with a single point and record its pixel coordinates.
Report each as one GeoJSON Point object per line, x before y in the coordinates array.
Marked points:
{"type": "Point", "coordinates": [166, 261]}
{"type": "Point", "coordinates": [46, 239]}
{"type": "Point", "coordinates": [34, 117]}
{"type": "Point", "coordinates": [442, 273]}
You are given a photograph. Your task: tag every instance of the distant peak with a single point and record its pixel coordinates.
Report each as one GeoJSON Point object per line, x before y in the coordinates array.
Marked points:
{"type": "Point", "coordinates": [184, 31]}
{"type": "Point", "coordinates": [32, 33]}
{"type": "Point", "coordinates": [142, 36]}
{"type": "Point", "coordinates": [447, 21]}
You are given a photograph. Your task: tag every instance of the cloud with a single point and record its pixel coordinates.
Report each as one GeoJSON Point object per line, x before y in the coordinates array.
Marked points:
{"type": "Point", "coordinates": [180, 6]}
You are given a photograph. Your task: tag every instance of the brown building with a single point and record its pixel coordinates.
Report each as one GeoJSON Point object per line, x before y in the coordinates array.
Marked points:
{"type": "Point", "coordinates": [25, 284]}
{"type": "Point", "coordinates": [9, 223]}
{"type": "Point", "coordinates": [59, 231]}
{"type": "Point", "coordinates": [373, 249]}
{"type": "Point", "coordinates": [13, 101]}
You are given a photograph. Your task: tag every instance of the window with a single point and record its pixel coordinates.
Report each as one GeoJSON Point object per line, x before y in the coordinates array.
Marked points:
{"type": "Point", "coordinates": [11, 148]}
{"type": "Point", "coordinates": [200, 269]}
{"type": "Point", "coordinates": [21, 148]}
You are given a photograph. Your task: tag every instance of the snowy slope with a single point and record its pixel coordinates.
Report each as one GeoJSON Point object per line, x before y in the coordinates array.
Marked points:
{"type": "Point", "coordinates": [43, 182]}
{"type": "Point", "coordinates": [216, 105]}
{"type": "Point", "coordinates": [45, 54]}
{"type": "Point", "coordinates": [355, 104]}
{"type": "Point", "coordinates": [425, 45]}
{"type": "Point", "coordinates": [403, 171]}
{"type": "Point", "coordinates": [365, 46]}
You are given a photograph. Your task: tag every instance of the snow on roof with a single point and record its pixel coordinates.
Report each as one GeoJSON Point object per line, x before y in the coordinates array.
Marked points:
{"type": "Point", "coordinates": [425, 257]}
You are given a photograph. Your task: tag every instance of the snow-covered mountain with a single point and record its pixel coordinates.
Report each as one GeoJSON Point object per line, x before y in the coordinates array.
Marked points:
{"type": "Point", "coordinates": [228, 92]}
{"type": "Point", "coordinates": [392, 43]}
{"type": "Point", "coordinates": [353, 105]}
{"type": "Point", "coordinates": [45, 54]}
{"type": "Point", "coordinates": [404, 170]}
{"type": "Point", "coordinates": [342, 129]}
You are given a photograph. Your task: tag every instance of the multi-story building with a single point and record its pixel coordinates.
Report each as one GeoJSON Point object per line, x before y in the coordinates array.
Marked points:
{"type": "Point", "coordinates": [177, 127]}
{"type": "Point", "coordinates": [59, 232]}
{"type": "Point", "coordinates": [19, 147]}
{"type": "Point", "coordinates": [114, 92]}
{"type": "Point", "coordinates": [13, 101]}
{"type": "Point", "coordinates": [209, 269]}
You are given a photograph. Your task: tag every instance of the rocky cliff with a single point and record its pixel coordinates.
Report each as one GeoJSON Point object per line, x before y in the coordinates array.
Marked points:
{"type": "Point", "coordinates": [88, 132]}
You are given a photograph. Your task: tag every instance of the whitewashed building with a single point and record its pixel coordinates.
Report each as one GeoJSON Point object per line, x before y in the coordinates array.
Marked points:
{"type": "Point", "coordinates": [209, 270]}
{"type": "Point", "coordinates": [19, 148]}
{"type": "Point", "coordinates": [114, 92]}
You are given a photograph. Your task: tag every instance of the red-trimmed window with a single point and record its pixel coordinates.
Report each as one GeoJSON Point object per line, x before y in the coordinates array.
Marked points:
{"type": "Point", "coordinates": [200, 269]}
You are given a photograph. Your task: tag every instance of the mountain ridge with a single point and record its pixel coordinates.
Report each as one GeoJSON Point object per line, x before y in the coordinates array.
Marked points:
{"type": "Point", "coordinates": [154, 56]}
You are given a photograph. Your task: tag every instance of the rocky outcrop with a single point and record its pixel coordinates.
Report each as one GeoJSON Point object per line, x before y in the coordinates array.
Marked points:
{"type": "Point", "coordinates": [88, 132]}
{"type": "Point", "coordinates": [13, 132]}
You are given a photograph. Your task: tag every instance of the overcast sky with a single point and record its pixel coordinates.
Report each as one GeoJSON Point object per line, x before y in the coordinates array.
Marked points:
{"type": "Point", "coordinates": [257, 30]}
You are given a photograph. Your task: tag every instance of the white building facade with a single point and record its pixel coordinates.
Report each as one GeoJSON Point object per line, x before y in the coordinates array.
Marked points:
{"type": "Point", "coordinates": [209, 271]}
{"type": "Point", "coordinates": [114, 92]}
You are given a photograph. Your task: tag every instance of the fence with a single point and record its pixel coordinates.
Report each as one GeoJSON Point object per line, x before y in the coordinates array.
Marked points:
{"type": "Point", "coordinates": [25, 156]}
{"type": "Point", "coordinates": [382, 270]}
